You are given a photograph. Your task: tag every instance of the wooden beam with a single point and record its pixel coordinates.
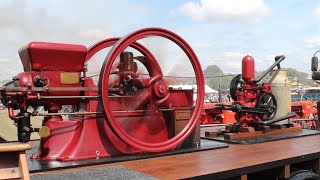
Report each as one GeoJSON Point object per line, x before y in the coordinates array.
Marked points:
{"type": "Point", "coordinates": [243, 177]}
{"type": "Point", "coordinates": [23, 166]}
{"type": "Point", "coordinates": [285, 172]}
{"type": "Point", "coordinates": [14, 147]}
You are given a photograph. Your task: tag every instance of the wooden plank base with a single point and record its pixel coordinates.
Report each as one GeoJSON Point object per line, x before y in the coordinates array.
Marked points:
{"type": "Point", "coordinates": [247, 132]}
{"type": "Point", "coordinates": [260, 133]}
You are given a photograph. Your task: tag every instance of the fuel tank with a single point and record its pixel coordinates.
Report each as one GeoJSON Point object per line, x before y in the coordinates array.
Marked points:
{"type": "Point", "coordinates": [281, 89]}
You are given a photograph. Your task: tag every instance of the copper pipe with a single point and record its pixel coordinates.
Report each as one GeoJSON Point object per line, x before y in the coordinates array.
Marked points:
{"type": "Point", "coordinates": [11, 111]}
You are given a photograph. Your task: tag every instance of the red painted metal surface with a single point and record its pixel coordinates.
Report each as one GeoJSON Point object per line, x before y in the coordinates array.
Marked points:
{"type": "Point", "coordinates": [119, 47]}
{"type": "Point", "coordinates": [307, 114]}
{"type": "Point", "coordinates": [134, 114]}
{"type": "Point", "coordinates": [38, 56]}
{"type": "Point", "coordinates": [248, 69]}
{"type": "Point", "coordinates": [251, 95]}
{"type": "Point", "coordinates": [210, 115]}
{"type": "Point", "coordinates": [304, 109]}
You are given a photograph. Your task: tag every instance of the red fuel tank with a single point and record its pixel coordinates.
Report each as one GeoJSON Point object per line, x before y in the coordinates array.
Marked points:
{"type": "Point", "coordinates": [248, 69]}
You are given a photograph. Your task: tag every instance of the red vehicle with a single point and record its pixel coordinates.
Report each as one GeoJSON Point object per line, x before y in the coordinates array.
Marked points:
{"type": "Point", "coordinates": [210, 115]}
{"type": "Point", "coordinates": [304, 109]}
{"type": "Point", "coordinates": [307, 114]}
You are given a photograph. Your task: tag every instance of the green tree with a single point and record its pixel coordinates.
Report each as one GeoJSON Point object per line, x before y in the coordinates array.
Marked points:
{"type": "Point", "coordinates": [215, 77]}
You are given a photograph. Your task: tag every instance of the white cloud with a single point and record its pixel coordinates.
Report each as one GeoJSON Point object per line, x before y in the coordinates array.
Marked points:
{"type": "Point", "coordinates": [4, 60]}
{"type": "Point", "coordinates": [234, 54]}
{"type": "Point", "coordinates": [172, 14]}
{"type": "Point", "coordinates": [316, 12]}
{"type": "Point", "coordinates": [94, 33]}
{"type": "Point", "coordinates": [202, 45]}
{"type": "Point", "coordinates": [10, 71]}
{"type": "Point", "coordinates": [209, 11]}
{"type": "Point", "coordinates": [313, 42]}
{"type": "Point", "coordinates": [229, 61]}
{"type": "Point", "coordinates": [21, 24]}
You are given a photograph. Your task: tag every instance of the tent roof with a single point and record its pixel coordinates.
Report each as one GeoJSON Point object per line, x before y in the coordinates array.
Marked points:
{"type": "Point", "coordinates": [207, 89]}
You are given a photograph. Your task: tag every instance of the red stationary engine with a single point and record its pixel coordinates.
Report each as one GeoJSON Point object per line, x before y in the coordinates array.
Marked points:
{"type": "Point", "coordinates": [126, 113]}
{"type": "Point", "coordinates": [250, 96]}
{"type": "Point", "coordinates": [254, 102]}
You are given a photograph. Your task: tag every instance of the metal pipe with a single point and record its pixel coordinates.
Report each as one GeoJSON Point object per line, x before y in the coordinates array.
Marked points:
{"type": "Point", "coordinates": [68, 97]}
{"type": "Point", "coordinates": [11, 111]}
{"type": "Point", "coordinates": [269, 122]}
{"type": "Point", "coordinates": [11, 114]}
{"type": "Point", "coordinates": [314, 55]}
{"type": "Point", "coordinates": [74, 113]}
{"type": "Point", "coordinates": [51, 89]}
{"type": "Point", "coordinates": [133, 111]}
{"type": "Point", "coordinates": [117, 96]}
{"type": "Point", "coordinates": [278, 60]}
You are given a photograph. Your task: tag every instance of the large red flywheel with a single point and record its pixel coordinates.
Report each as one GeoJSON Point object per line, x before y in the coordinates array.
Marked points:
{"type": "Point", "coordinates": [156, 82]}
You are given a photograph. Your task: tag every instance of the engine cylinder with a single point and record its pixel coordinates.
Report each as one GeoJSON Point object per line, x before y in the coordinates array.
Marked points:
{"type": "Point", "coordinates": [248, 69]}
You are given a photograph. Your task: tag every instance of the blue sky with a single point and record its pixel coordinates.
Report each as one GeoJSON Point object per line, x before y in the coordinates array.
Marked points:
{"type": "Point", "coordinates": [221, 32]}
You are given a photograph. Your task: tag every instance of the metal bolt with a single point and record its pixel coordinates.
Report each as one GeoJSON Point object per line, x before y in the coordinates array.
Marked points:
{"type": "Point", "coordinates": [26, 129]}
{"type": "Point", "coordinates": [162, 89]}
{"type": "Point", "coordinates": [97, 154]}
{"type": "Point", "coordinates": [134, 88]}
{"type": "Point", "coordinates": [15, 78]}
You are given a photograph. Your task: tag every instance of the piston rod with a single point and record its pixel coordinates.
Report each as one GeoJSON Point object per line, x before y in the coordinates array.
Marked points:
{"type": "Point", "coordinates": [71, 113]}
{"type": "Point", "coordinates": [69, 97]}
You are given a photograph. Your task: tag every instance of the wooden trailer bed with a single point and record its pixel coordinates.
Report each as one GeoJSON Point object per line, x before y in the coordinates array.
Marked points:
{"type": "Point", "coordinates": [274, 158]}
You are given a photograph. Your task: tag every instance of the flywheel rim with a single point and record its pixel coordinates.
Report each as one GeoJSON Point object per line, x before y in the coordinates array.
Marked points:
{"type": "Point", "coordinates": [119, 47]}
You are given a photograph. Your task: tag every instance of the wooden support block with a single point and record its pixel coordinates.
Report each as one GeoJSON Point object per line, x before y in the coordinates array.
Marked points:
{"type": "Point", "coordinates": [247, 129]}
{"type": "Point", "coordinates": [211, 134]}
{"type": "Point", "coordinates": [242, 135]}
{"type": "Point", "coordinates": [13, 161]}
{"type": "Point", "coordinates": [243, 177]}
{"type": "Point", "coordinates": [285, 172]}
{"type": "Point", "coordinates": [260, 133]}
